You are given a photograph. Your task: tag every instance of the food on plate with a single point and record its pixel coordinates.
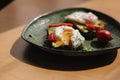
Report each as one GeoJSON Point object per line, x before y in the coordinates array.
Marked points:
{"type": "Point", "coordinates": [82, 17]}
{"type": "Point", "coordinates": [87, 22]}
{"type": "Point", "coordinates": [63, 34]}
{"type": "Point", "coordinates": [78, 27]}
{"type": "Point", "coordinates": [103, 36]}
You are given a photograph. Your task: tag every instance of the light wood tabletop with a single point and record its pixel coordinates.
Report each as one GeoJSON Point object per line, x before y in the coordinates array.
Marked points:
{"type": "Point", "coordinates": [22, 61]}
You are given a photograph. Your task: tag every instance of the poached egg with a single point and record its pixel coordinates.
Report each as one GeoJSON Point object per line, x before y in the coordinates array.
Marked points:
{"type": "Point", "coordinates": [82, 17]}
{"type": "Point", "coordinates": [68, 36]}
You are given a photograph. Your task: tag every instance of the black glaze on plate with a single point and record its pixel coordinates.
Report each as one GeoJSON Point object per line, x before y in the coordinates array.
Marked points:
{"type": "Point", "coordinates": [36, 33]}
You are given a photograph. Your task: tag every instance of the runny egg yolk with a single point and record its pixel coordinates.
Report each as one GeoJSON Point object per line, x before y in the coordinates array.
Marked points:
{"type": "Point", "coordinates": [67, 36]}
{"type": "Point", "coordinates": [64, 39]}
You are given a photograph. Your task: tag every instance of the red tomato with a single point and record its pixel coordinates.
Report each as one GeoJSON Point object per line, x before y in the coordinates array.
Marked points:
{"type": "Point", "coordinates": [97, 28]}
{"type": "Point", "coordinates": [51, 37]}
{"type": "Point", "coordinates": [92, 27]}
{"type": "Point", "coordinates": [67, 24]}
{"type": "Point", "coordinates": [103, 35]}
{"type": "Point", "coordinates": [53, 25]}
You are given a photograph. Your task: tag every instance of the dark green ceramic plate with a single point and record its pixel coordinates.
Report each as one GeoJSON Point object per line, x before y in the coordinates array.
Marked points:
{"type": "Point", "coordinates": [36, 33]}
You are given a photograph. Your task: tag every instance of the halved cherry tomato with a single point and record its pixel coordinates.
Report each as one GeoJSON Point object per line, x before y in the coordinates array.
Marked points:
{"type": "Point", "coordinates": [60, 24]}
{"type": "Point", "coordinates": [103, 35]}
{"type": "Point", "coordinates": [97, 28]}
{"type": "Point", "coordinates": [51, 37]}
{"type": "Point", "coordinates": [93, 27]}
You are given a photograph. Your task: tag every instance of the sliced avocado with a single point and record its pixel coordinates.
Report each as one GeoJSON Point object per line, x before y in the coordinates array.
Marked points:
{"type": "Point", "coordinates": [82, 28]}
{"type": "Point", "coordinates": [51, 30]}
{"type": "Point", "coordinates": [55, 45]}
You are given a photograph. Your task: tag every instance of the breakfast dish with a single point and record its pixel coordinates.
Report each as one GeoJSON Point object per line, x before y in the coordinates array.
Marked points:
{"type": "Point", "coordinates": [81, 26]}
{"type": "Point", "coordinates": [53, 32]}
{"type": "Point", "coordinates": [63, 34]}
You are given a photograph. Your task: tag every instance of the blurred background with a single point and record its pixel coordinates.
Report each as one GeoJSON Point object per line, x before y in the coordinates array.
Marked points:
{"type": "Point", "coordinates": [21, 12]}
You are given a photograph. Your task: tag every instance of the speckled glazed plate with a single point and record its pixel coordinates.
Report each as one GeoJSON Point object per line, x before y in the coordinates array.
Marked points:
{"type": "Point", "coordinates": [36, 33]}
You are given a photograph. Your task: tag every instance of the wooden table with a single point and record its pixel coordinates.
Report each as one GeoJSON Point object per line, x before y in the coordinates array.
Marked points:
{"type": "Point", "coordinates": [21, 61]}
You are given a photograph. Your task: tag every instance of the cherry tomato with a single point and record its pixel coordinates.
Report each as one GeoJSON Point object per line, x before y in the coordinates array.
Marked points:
{"type": "Point", "coordinates": [66, 24]}
{"type": "Point", "coordinates": [103, 35]}
{"type": "Point", "coordinates": [97, 28]}
{"type": "Point", "coordinates": [60, 24]}
{"type": "Point", "coordinates": [93, 27]}
{"type": "Point", "coordinates": [51, 37]}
